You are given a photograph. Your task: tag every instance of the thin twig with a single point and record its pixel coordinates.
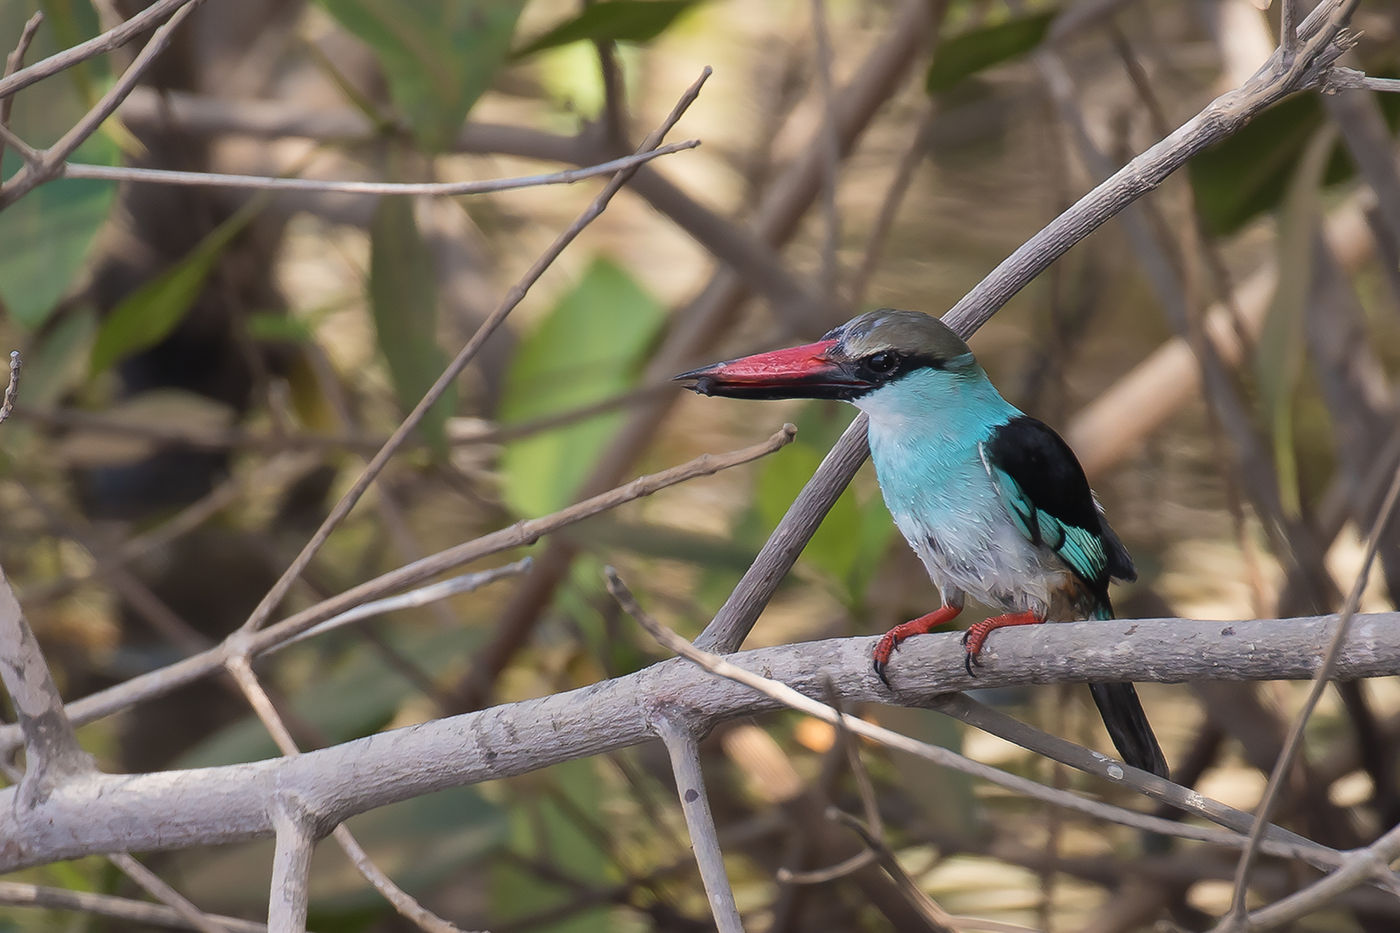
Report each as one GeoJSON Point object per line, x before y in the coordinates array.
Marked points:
{"type": "Point", "coordinates": [1360, 865]}
{"type": "Point", "coordinates": [695, 804]}
{"type": "Point", "coordinates": [32, 175]}
{"type": "Point", "coordinates": [11, 388]}
{"type": "Point", "coordinates": [52, 752]}
{"type": "Point", "coordinates": [342, 508]}
{"type": "Point", "coordinates": [401, 900]}
{"type": "Point", "coordinates": [824, 875]}
{"type": "Point", "coordinates": [19, 894]}
{"type": "Point", "coordinates": [966, 710]}
{"type": "Point", "coordinates": [1221, 118]}
{"type": "Point", "coordinates": [179, 907]}
{"type": "Point", "coordinates": [156, 886]}
{"type": "Point", "coordinates": [938, 919]}
{"type": "Point", "coordinates": [161, 681]}
{"type": "Point", "coordinates": [413, 599]}
{"type": "Point", "coordinates": [912, 27]}
{"type": "Point", "coordinates": [408, 906]}
{"type": "Point", "coordinates": [12, 63]}
{"type": "Point", "coordinates": [789, 697]}
{"type": "Point", "coordinates": [369, 188]}
{"type": "Point", "coordinates": [113, 38]}
{"type": "Point", "coordinates": [1238, 918]}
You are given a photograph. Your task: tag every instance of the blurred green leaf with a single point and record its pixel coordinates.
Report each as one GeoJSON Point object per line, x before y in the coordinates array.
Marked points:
{"type": "Point", "coordinates": [403, 300]}
{"type": "Point", "coordinates": [58, 362]}
{"type": "Point", "coordinates": [545, 826]}
{"type": "Point", "coordinates": [46, 235]}
{"type": "Point", "coordinates": [851, 540]}
{"type": "Point", "coordinates": [976, 50]}
{"type": "Point", "coordinates": [590, 347]}
{"type": "Point", "coordinates": [439, 56]}
{"type": "Point", "coordinates": [1247, 173]}
{"type": "Point", "coordinates": [835, 547]}
{"type": "Point", "coordinates": [420, 843]}
{"type": "Point", "coordinates": [144, 317]}
{"type": "Point", "coordinates": [1279, 353]}
{"type": "Point", "coordinates": [612, 21]}
{"type": "Point", "coordinates": [272, 326]}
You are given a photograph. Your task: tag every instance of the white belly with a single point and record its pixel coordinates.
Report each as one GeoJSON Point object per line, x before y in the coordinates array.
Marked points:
{"type": "Point", "coordinates": [950, 513]}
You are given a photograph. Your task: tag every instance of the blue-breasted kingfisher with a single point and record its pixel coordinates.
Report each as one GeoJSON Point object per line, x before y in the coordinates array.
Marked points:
{"type": "Point", "coordinates": [993, 501]}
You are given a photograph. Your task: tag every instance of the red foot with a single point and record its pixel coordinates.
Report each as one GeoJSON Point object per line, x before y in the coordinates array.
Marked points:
{"type": "Point", "coordinates": [977, 633]}
{"type": "Point", "coordinates": [924, 624]}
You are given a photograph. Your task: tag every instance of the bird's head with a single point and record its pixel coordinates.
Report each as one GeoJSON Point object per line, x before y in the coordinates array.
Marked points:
{"type": "Point", "coordinates": [866, 353]}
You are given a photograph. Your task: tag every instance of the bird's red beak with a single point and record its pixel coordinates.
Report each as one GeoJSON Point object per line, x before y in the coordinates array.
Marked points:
{"type": "Point", "coordinates": [810, 371]}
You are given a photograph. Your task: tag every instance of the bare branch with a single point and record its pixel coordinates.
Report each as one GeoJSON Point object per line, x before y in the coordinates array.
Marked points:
{"type": "Point", "coordinates": [19, 894]}
{"type": "Point", "coordinates": [177, 809]}
{"type": "Point", "coordinates": [12, 387]}
{"type": "Point", "coordinates": [407, 905]}
{"type": "Point", "coordinates": [370, 188]}
{"type": "Point", "coordinates": [174, 901]}
{"type": "Point", "coordinates": [400, 899]}
{"type": "Point", "coordinates": [413, 599]}
{"type": "Point", "coordinates": [695, 804]}
{"type": "Point", "coordinates": [1288, 27]}
{"type": "Point", "coordinates": [291, 866]}
{"type": "Point", "coordinates": [187, 670]}
{"type": "Point", "coordinates": [1238, 917]}
{"type": "Point", "coordinates": [279, 590]}
{"type": "Point", "coordinates": [111, 39]}
{"type": "Point", "coordinates": [32, 175]}
{"type": "Point", "coordinates": [731, 624]}
{"type": "Point", "coordinates": [52, 753]}
{"type": "Point", "coordinates": [793, 699]}
{"type": "Point", "coordinates": [1359, 866]}
{"type": "Point", "coordinates": [965, 709]}
{"type": "Point", "coordinates": [938, 919]}
{"type": "Point", "coordinates": [1222, 117]}
{"type": "Point", "coordinates": [12, 63]}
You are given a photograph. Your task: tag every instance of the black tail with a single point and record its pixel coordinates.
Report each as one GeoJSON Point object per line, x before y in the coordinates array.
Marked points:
{"type": "Point", "coordinates": [1128, 727]}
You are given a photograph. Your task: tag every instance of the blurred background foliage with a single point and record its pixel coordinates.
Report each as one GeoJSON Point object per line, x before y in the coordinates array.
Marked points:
{"type": "Point", "coordinates": [206, 369]}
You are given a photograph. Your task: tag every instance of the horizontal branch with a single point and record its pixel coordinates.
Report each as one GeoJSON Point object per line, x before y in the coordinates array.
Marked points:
{"type": "Point", "coordinates": [178, 809]}
{"type": "Point", "coordinates": [374, 188]}
{"type": "Point", "coordinates": [521, 534]}
{"type": "Point", "coordinates": [20, 894]}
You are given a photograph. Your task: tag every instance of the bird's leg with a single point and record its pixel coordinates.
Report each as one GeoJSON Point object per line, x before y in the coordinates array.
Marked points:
{"type": "Point", "coordinates": [920, 626]}
{"type": "Point", "coordinates": [977, 633]}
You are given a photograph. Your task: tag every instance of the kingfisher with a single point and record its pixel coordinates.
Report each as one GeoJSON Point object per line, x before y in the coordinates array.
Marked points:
{"type": "Point", "coordinates": [993, 501]}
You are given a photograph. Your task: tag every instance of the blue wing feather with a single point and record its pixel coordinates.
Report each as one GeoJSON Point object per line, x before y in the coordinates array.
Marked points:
{"type": "Point", "coordinates": [1080, 548]}
{"type": "Point", "coordinates": [1043, 488]}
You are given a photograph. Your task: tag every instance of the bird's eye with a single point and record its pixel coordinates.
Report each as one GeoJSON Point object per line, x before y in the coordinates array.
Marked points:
{"type": "Point", "coordinates": [882, 362]}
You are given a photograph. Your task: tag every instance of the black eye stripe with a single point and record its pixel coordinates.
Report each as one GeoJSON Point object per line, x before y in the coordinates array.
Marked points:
{"type": "Point", "coordinates": [885, 366]}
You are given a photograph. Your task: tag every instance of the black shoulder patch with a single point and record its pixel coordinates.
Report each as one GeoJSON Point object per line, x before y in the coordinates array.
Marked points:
{"type": "Point", "coordinates": [1047, 471]}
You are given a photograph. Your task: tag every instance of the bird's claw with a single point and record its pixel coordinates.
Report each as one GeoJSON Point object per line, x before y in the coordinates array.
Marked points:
{"type": "Point", "coordinates": [970, 661]}
{"type": "Point", "coordinates": [884, 648]}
